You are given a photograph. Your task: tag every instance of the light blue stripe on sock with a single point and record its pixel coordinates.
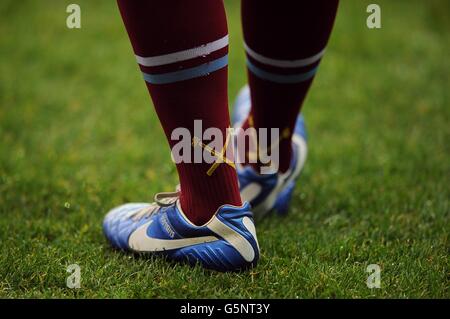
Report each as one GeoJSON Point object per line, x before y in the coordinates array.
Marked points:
{"type": "Point", "coordinates": [187, 74]}
{"type": "Point", "coordinates": [280, 78]}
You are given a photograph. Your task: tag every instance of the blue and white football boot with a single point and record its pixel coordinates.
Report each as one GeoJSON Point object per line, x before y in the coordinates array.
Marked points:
{"type": "Point", "coordinates": [226, 243]}
{"type": "Point", "coordinates": [271, 192]}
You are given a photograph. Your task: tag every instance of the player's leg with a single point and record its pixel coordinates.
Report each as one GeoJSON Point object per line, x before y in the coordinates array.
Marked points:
{"type": "Point", "coordinates": [181, 48]}
{"type": "Point", "coordinates": [284, 42]}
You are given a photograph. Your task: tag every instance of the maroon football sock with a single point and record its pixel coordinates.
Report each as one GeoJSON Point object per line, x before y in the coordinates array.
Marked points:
{"type": "Point", "coordinates": [284, 41]}
{"type": "Point", "coordinates": [181, 48]}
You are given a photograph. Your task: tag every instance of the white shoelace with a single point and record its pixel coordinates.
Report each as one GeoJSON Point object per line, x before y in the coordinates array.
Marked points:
{"type": "Point", "coordinates": [164, 199]}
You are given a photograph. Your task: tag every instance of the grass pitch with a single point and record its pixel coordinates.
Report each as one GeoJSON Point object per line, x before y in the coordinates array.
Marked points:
{"type": "Point", "coordinates": [78, 136]}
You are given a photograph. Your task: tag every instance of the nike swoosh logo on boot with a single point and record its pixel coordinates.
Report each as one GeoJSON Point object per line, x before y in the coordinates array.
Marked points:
{"type": "Point", "coordinates": [140, 241]}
